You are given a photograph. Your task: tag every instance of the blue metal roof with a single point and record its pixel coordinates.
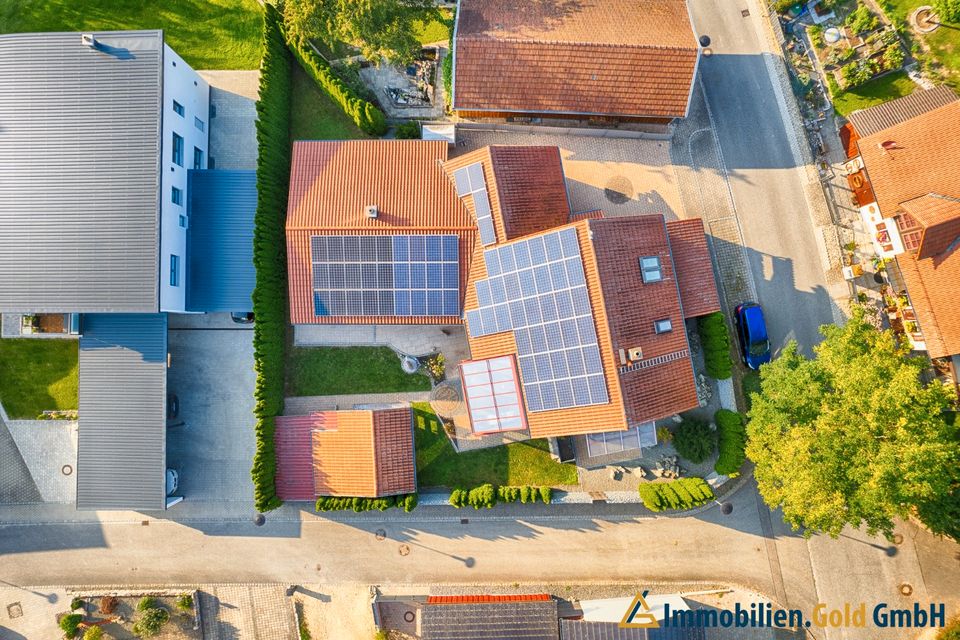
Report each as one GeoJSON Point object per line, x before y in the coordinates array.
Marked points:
{"type": "Point", "coordinates": [221, 207]}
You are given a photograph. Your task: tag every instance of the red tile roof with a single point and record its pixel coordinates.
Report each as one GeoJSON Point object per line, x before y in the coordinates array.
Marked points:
{"type": "Point", "coordinates": [294, 451]}
{"type": "Point", "coordinates": [691, 257]}
{"type": "Point", "coordinates": [932, 285]}
{"type": "Point", "coordinates": [591, 57]}
{"type": "Point", "coordinates": [536, 597]}
{"type": "Point", "coordinates": [940, 218]}
{"type": "Point", "coordinates": [331, 184]}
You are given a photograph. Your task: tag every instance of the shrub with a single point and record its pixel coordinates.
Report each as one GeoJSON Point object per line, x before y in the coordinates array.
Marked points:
{"type": "Point", "coordinates": [93, 633]}
{"type": "Point", "coordinates": [731, 441]}
{"type": "Point", "coordinates": [76, 603]}
{"type": "Point", "coordinates": [546, 494]}
{"type": "Point", "coordinates": [715, 340]}
{"type": "Point", "coordinates": [694, 440]}
{"type": "Point", "coordinates": [816, 35]}
{"type": "Point", "coordinates": [269, 257]}
{"type": "Point", "coordinates": [70, 623]}
{"type": "Point", "coordinates": [364, 114]}
{"type": "Point", "coordinates": [683, 493]}
{"type": "Point", "coordinates": [458, 498]}
{"type": "Point", "coordinates": [147, 602]}
{"type": "Point", "coordinates": [409, 131]}
{"type": "Point", "coordinates": [861, 20]}
{"type": "Point", "coordinates": [951, 631]}
{"type": "Point", "coordinates": [407, 502]}
{"type": "Point", "coordinates": [185, 602]}
{"type": "Point", "coordinates": [108, 604]}
{"type": "Point", "coordinates": [483, 496]}
{"type": "Point", "coordinates": [948, 11]}
{"type": "Point", "coordinates": [150, 622]}
{"type": "Point", "coordinates": [858, 73]}
{"type": "Point", "coordinates": [893, 56]}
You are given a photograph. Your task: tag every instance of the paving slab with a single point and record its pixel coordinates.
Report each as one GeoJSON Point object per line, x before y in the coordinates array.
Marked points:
{"type": "Point", "coordinates": [233, 133]}
{"type": "Point", "coordinates": [49, 450]}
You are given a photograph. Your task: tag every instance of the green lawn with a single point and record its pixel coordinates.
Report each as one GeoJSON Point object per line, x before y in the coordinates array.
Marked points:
{"type": "Point", "coordinates": [209, 34]}
{"type": "Point", "coordinates": [37, 375]}
{"type": "Point", "coordinates": [750, 384]}
{"type": "Point", "coordinates": [520, 463]}
{"type": "Point", "coordinates": [894, 85]}
{"type": "Point", "coordinates": [944, 43]}
{"type": "Point", "coordinates": [436, 30]}
{"type": "Point", "coordinates": [325, 371]}
{"type": "Point", "coordinates": [314, 116]}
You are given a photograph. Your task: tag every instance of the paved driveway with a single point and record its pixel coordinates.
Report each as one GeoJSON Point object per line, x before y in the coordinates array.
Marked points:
{"type": "Point", "coordinates": [212, 374]}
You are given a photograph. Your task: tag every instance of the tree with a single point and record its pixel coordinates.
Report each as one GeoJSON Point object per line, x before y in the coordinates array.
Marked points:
{"type": "Point", "coordinates": [852, 436]}
{"type": "Point", "coordinates": [382, 29]}
{"type": "Point", "coordinates": [947, 10]}
{"type": "Point", "coordinates": [70, 624]}
{"type": "Point", "coordinates": [93, 633]}
{"type": "Point", "coordinates": [150, 622]}
{"type": "Point", "coordinates": [694, 440]}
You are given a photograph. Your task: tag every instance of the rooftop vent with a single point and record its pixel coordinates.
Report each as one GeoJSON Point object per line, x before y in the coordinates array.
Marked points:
{"type": "Point", "coordinates": [372, 211]}
{"type": "Point", "coordinates": [888, 145]}
{"type": "Point", "coordinates": [635, 354]}
{"type": "Point", "coordinates": [88, 40]}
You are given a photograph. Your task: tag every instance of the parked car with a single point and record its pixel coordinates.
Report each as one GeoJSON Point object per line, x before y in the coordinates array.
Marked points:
{"type": "Point", "coordinates": [242, 318]}
{"type": "Point", "coordinates": [752, 334]}
{"type": "Point", "coordinates": [173, 481]}
{"type": "Point", "coordinates": [173, 406]}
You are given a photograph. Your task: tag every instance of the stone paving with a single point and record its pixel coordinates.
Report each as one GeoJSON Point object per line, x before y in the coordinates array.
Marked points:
{"type": "Point", "coordinates": [16, 483]}
{"type": "Point", "coordinates": [239, 612]}
{"type": "Point", "coordinates": [49, 447]}
{"type": "Point", "coordinates": [233, 134]}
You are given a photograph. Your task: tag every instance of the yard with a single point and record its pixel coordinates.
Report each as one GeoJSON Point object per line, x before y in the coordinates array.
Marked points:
{"type": "Point", "coordinates": [314, 116]}
{"type": "Point", "coordinates": [324, 371]}
{"type": "Point", "coordinates": [436, 30]}
{"type": "Point", "coordinates": [888, 87]}
{"type": "Point", "coordinates": [37, 375]}
{"type": "Point", "coordinates": [944, 43]}
{"type": "Point", "coordinates": [521, 463]}
{"type": "Point", "coordinates": [213, 34]}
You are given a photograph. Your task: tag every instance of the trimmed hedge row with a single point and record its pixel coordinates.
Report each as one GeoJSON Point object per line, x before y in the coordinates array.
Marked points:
{"type": "Point", "coordinates": [269, 254]}
{"type": "Point", "coordinates": [683, 493]}
{"type": "Point", "coordinates": [486, 495]}
{"type": "Point", "coordinates": [731, 440]}
{"type": "Point", "coordinates": [715, 340]}
{"type": "Point", "coordinates": [407, 502]}
{"type": "Point", "coordinates": [364, 114]}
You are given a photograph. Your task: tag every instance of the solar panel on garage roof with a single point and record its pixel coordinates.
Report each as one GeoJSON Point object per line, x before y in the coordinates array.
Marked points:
{"type": "Point", "coordinates": [408, 275]}
{"type": "Point", "coordinates": [537, 288]}
{"type": "Point", "coordinates": [469, 180]}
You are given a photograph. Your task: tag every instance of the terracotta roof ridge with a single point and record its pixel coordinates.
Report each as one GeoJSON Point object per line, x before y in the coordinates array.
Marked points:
{"type": "Point", "coordinates": [390, 230]}
{"type": "Point", "coordinates": [579, 43]}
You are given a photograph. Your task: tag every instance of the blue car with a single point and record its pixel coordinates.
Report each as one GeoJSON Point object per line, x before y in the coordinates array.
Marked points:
{"type": "Point", "coordinates": [752, 333]}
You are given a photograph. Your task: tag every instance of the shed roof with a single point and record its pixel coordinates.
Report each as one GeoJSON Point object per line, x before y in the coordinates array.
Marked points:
{"type": "Point", "coordinates": [121, 454]}
{"type": "Point", "coordinates": [497, 618]}
{"type": "Point", "coordinates": [80, 146]}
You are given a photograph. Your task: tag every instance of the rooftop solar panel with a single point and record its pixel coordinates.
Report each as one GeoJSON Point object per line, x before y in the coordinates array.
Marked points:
{"type": "Point", "coordinates": [400, 275]}
{"type": "Point", "coordinates": [469, 181]}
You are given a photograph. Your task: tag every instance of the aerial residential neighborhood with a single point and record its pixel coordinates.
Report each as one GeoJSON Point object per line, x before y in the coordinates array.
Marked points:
{"type": "Point", "coordinates": [405, 319]}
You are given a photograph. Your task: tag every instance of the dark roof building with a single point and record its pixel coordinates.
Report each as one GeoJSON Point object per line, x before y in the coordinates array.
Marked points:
{"type": "Point", "coordinates": [521, 617]}
{"type": "Point", "coordinates": [584, 630]}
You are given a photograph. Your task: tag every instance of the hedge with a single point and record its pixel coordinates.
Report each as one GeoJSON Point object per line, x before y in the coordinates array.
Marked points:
{"type": "Point", "coordinates": [731, 441]}
{"type": "Point", "coordinates": [364, 114]}
{"type": "Point", "coordinates": [683, 493]}
{"type": "Point", "coordinates": [269, 254]}
{"type": "Point", "coordinates": [715, 340]}
{"type": "Point", "coordinates": [487, 495]}
{"type": "Point", "coordinates": [407, 502]}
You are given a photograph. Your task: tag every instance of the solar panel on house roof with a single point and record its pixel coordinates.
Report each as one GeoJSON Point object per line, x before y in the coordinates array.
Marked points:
{"type": "Point", "coordinates": [469, 180]}
{"type": "Point", "coordinates": [537, 288]}
{"type": "Point", "coordinates": [493, 394]}
{"type": "Point", "coordinates": [409, 275]}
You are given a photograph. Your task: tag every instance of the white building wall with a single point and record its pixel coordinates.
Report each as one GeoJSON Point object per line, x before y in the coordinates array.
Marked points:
{"type": "Point", "coordinates": [183, 85]}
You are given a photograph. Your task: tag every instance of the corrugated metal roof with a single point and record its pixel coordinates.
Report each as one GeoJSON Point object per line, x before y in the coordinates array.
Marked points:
{"type": "Point", "coordinates": [510, 620]}
{"type": "Point", "coordinates": [80, 150]}
{"type": "Point", "coordinates": [583, 630]}
{"type": "Point", "coordinates": [867, 122]}
{"type": "Point", "coordinates": [121, 456]}
{"type": "Point", "coordinates": [220, 275]}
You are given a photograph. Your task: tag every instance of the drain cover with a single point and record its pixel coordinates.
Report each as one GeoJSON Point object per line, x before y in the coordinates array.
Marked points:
{"type": "Point", "coordinates": [14, 610]}
{"type": "Point", "coordinates": [381, 534]}
{"type": "Point", "coordinates": [66, 469]}
{"type": "Point", "coordinates": [404, 550]}
{"type": "Point", "coordinates": [745, 13]}
{"type": "Point", "coordinates": [906, 588]}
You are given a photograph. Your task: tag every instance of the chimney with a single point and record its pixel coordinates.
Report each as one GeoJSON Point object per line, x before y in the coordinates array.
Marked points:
{"type": "Point", "coordinates": [372, 211]}
{"type": "Point", "coordinates": [635, 354]}
{"type": "Point", "coordinates": [88, 40]}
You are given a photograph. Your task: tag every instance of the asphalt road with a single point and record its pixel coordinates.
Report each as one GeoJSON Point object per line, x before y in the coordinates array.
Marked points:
{"type": "Point", "coordinates": [767, 185]}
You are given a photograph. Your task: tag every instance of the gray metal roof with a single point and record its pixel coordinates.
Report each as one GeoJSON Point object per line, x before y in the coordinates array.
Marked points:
{"type": "Point", "coordinates": [867, 122]}
{"type": "Point", "coordinates": [121, 456]}
{"type": "Point", "coordinates": [79, 189]}
{"type": "Point", "coordinates": [584, 630]}
{"type": "Point", "coordinates": [526, 620]}
{"type": "Point", "coordinates": [220, 274]}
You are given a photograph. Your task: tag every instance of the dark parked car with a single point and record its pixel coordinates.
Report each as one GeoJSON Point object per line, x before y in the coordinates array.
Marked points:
{"type": "Point", "coordinates": [242, 318]}
{"type": "Point", "coordinates": [752, 334]}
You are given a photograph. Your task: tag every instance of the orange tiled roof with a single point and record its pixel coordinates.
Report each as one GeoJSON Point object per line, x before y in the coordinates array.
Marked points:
{"type": "Point", "coordinates": [932, 285]}
{"type": "Point", "coordinates": [691, 256]}
{"type": "Point", "coordinates": [592, 57]}
{"type": "Point", "coordinates": [940, 218]}
{"type": "Point", "coordinates": [332, 183]}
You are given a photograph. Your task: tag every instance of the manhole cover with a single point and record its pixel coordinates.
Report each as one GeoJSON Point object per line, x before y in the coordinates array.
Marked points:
{"type": "Point", "coordinates": [464, 520]}
{"type": "Point", "coordinates": [906, 588]}
{"type": "Point", "coordinates": [381, 534]}
{"type": "Point", "coordinates": [897, 538]}
{"type": "Point", "coordinates": [409, 616]}
{"type": "Point", "coordinates": [618, 190]}
{"type": "Point", "coordinates": [726, 508]}
{"type": "Point", "coordinates": [446, 400]}
{"type": "Point", "coordinates": [14, 610]}
{"type": "Point", "coordinates": [66, 469]}
{"type": "Point", "coordinates": [745, 13]}
{"type": "Point", "coordinates": [404, 550]}
{"type": "Point", "coordinates": [259, 519]}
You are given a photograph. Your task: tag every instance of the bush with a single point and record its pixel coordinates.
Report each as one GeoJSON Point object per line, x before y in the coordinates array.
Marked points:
{"type": "Point", "coordinates": [185, 602]}
{"type": "Point", "coordinates": [816, 35]}
{"type": "Point", "coordinates": [409, 131]}
{"type": "Point", "coordinates": [731, 441]}
{"type": "Point", "coordinates": [694, 440]}
{"type": "Point", "coordinates": [858, 73]}
{"type": "Point", "coordinates": [458, 498]}
{"type": "Point", "coordinates": [150, 622]}
{"type": "Point", "coordinates": [893, 56]}
{"type": "Point", "coordinates": [483, 496]}
{"type": "Point", "coordinates": [948, 11]}
{"type": "Point", "coordinates": [546, 494]}
{"type": "Point", "coordinates": [861, 20]}
{"type": "Point", "coordinates": [76, 603]}
{"type": "Point", "coordinates": [364, 114]}
{"type": "Point", "coordinates": [70, 623]}
{"type": "Point", "coordinates": [147, 602]}
{"type": "Point", "coordinates": [951, 631]}
{"type": "Point", "coordinates": [407, 502]}
{"type": "Point", "coordinates": [715, 340]}
{"type": "Point", "coordinates": [269, 255]}
{"type": "Point", "coordinates": [93, 633]}
{"type": "Point", "coordinates": [683, 493]}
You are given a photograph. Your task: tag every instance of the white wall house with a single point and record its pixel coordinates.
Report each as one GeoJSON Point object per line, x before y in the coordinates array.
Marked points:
{"type": "Point", "coordinates": [185, 137]}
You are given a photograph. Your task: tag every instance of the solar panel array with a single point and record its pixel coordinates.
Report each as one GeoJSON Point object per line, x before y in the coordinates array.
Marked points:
{"type": "Point", "coordinates": [493, 394]}
{"type": "Point", "coordinates": [537, 289]}
{"type": "Point", "coordinates": [409, 275]}
{"type": "Point", "coordinates": [470, 181]}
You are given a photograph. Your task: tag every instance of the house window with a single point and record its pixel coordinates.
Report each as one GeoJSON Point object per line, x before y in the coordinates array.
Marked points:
{"type": "Point", "coordinates": [174, 270]}
{"type": "Point", "coordinates": [176, 195]}
{"type": "Point", "coordinates": [178, 149]}
{"type": "Point", "coordinates": [197, 158]}
{"type": "Point", "coordinates": [183, 222]}
{"type": "Point", "coordinates": [650, 268]}
{"type": "Point", "coordinates": [198, 123]}
{"type": "Point", "coordinates": [178, 108]}
{"type": "Point", "coordinates": [663, 326]}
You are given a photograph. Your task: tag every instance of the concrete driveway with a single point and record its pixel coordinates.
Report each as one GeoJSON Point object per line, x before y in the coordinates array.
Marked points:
{"type": "Point", "coordinates": [212, 374]}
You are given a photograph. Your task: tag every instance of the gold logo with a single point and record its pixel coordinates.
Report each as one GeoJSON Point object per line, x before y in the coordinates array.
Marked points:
{"type": "Point", "coordinates": [638, 615]}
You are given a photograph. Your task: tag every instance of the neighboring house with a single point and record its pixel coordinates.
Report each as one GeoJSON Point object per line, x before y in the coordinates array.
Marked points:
{"type": "Point", "coordinates": [360, 453]}
{"type": "Point", "coordinates": [599, 60]}
{"type": "Point", "coordinates": [575, 323]}
{"type": "Point", "coordinates": [907, 184]}
{"type": "Point", "coordinates": [100, 140]}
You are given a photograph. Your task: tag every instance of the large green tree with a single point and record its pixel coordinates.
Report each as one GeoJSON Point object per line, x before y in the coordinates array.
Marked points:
{"type": "Point", "coordinates": [852, 436]}
{"type": "Point", "coordinates": [382, 29]}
